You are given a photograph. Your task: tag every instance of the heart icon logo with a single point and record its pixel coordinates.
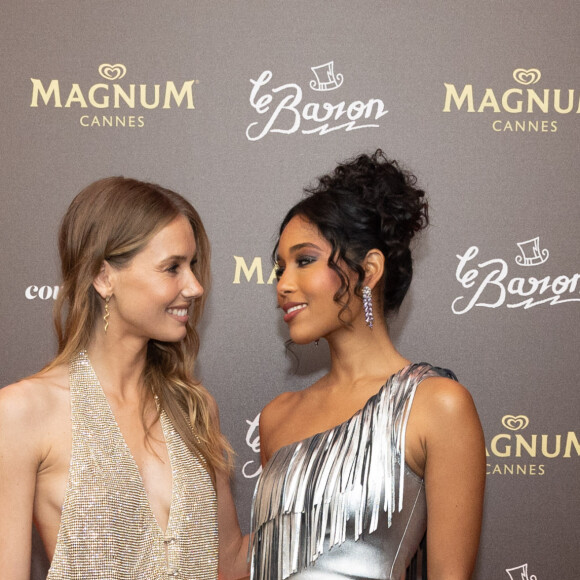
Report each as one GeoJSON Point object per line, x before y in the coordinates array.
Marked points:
{"type": "Point", "coordinates": [527, 77]}
{"type": "Point", "coordinates": [514, 423]}
{"type": "Point", "coordinates": [112, 72]}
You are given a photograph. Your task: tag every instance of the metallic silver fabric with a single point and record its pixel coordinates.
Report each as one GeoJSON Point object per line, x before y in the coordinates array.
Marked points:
{"type": "Point", "coordinates": [107, 528]}
{"type": "Point", "coordinates": [338, 505]}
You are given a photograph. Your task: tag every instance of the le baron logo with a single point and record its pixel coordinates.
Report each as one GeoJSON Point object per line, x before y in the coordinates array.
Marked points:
{"type": "Point", "coordinates": [490, 286]}
{"type": "Point", "coordinates": [520, 573]}
{"type": "Point", "coordinates": [253, 468]}
{"type": "Point", "coordinates": [112, 94]}
{"type": "Point", "coordinates": [523, 108]}
{"type": "Point", "coordinates": [285, 112]}
{"type": "Point", "coordinates": [517, 451]}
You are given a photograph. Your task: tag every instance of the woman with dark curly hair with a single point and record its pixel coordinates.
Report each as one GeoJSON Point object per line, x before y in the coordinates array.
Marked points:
{"type": "Point", "coordinates": [114, 448]}
{"type": "Point", "coordinates": [361, 463]}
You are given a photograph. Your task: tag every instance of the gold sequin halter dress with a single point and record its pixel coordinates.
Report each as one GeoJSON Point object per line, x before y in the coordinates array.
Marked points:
{"type": "Point", "coordinates": [107, 529]}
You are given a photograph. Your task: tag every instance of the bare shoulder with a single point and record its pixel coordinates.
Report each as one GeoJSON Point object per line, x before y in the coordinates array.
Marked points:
{"type": "Point", "coordinates": [445, 394]}
{"type": "Point", "coordinates": [444, 405]}
{"type": "Point", "coordinates": [276, 422]}
{"type": "Point", "coordinates": [279, 408]}
{"type": "Point", "coordinates": [30, 403]}
{"type": "Point", "coordinates": [443, 423]}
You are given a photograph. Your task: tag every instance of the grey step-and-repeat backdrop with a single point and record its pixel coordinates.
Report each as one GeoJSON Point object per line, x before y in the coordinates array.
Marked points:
{"type": "Point", "coordinates": [238, 105]}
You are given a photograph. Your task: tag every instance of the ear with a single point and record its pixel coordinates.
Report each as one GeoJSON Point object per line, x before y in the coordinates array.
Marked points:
{"type": "Point", "coordinates": [103, 282]}
{"type": "Point", "coordinates": [374, 266]}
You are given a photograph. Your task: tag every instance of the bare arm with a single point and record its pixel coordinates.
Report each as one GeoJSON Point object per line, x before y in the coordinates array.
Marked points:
{"type": "Point", "coordinates": [233, 547]}
{"type": "Point", "coordinates": [18, 467]}
{"type": "Point", "coordinates": [454, 479]}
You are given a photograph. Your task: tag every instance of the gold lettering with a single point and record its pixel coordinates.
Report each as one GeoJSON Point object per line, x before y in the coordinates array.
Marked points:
{"type": "Point", "coordinates": [494, 448]}
{"type": "Point", "coordinates": [533, 97]}
{"type": "Point", "coordinates": [530, 448]}
{"type": "Point", "coordinates": [571, 439]}
{"type": "Point", "coordinates": [186, 91]}
{"type": "Point", "coordinates": [143, 97]}
{"type": "Point", "coordinates": [489, 100]}
{"type": "Point", "coordinates": [505, 104]}
{"type": "Point", "coordinates": [272, 277]}
{"type": "Point", "coordinates": [105, 103]}
{"type": "Point", "coordinates": [241, 266]}
{"type": "Point", "coordinates": [38, 89]}
{"type": "Point", "coordinates": [545, 451]}
{"type": "Point", "coordinates": [557, 101]}
{"type": "Point", "coordinates": [121, 94]}
{"type": "Point", "coordinates": [467, 94]}
{"type": "Point", "coordinates": [76, 96]}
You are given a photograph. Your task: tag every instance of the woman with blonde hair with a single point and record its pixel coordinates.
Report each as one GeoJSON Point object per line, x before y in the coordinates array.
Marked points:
{"type": "Point", "coordinates": [113, 450]}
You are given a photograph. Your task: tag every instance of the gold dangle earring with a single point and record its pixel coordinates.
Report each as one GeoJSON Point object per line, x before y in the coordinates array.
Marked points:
{"type": "Point", "coordinates": [107, 313]}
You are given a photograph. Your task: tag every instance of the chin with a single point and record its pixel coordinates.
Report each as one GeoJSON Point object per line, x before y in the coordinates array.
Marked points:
{"type": "Point", "coordinates": [173, 337]}
{"type": "Point", "coordinates": [301, 339]}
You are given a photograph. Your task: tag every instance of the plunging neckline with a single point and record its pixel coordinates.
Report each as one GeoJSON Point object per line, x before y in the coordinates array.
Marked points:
{"type": "Point", "coordinates": [100, 392]}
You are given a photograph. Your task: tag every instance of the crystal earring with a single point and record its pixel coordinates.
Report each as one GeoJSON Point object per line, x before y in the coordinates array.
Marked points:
{"type": "Point", "coordinates": [368, 306]}
{"type": "Point", "coordinates": [107, 313]}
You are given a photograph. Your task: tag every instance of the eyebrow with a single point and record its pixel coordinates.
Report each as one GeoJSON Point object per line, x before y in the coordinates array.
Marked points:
{"type": "Point", "coordinates": [304, 245]}
{"type": "Point", "coordinates": [297, 247]}
{"type": "Point", "coordinates": [176, 258]}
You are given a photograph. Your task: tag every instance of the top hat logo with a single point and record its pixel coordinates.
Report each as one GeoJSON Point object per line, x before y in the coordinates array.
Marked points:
{"type": "Point", "coordinates": [531, 253]}
{"type": "Point", "coordinates": [326, 80]}
{"type": "Point", "coordinates": [520, 573]}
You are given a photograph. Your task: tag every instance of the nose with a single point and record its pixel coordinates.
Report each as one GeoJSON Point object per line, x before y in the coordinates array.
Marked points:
{"type": "Point", "coordinates": [191, 288]}
{"type": "Point", "coordinates": [285, 285]}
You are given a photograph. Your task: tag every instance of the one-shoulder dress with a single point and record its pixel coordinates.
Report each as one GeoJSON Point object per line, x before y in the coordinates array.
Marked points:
{"type": "Point", "coordinates": [343, 503]}
{"type": "Point", "coordinates": [107, 528]}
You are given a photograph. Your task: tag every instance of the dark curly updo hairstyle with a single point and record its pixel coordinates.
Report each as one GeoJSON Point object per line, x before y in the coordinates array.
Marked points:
{"type": "Point", "coordinates": [367, 202]}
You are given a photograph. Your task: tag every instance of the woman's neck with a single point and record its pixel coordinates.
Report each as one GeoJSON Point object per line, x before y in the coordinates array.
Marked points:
{"type": "Point", "coordinates": [360, 353]}
{"type": "Point", "coordinates": [119, 365]}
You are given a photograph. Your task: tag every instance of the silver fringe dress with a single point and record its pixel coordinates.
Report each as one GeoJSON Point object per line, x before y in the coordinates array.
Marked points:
{"type": "Point", "coordinates": [343, 503]}
{"type": "Point", "coordinates": [107, 529]}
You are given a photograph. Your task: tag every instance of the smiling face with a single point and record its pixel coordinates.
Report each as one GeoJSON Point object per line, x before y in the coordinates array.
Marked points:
{"type": "Point", "coordinates": [152, 296]}
{"type": "Point", "coordinates": [306, 284]}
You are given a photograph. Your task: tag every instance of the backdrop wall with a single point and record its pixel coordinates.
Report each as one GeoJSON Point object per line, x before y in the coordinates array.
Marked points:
{"type": "Point", "coordinates": [238, 105]}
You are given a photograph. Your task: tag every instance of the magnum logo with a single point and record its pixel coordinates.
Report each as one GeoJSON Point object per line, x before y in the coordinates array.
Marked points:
{"type": "Point", "coordinates": [112, 95]}
{"type": "Point", "coordinates": [530, 451]}
{"type": "Point", "coordinates": [252, 272]}
{"type": "Point", "coordinates": [517, 100]}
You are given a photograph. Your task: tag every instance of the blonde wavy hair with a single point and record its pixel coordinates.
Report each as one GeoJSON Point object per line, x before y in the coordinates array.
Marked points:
{"type": "Point", "coordinates": [113, 219]}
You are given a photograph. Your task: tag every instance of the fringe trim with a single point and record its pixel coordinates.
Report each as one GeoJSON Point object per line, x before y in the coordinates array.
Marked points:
{"type": "Point", "coordinates": [307, 487]}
